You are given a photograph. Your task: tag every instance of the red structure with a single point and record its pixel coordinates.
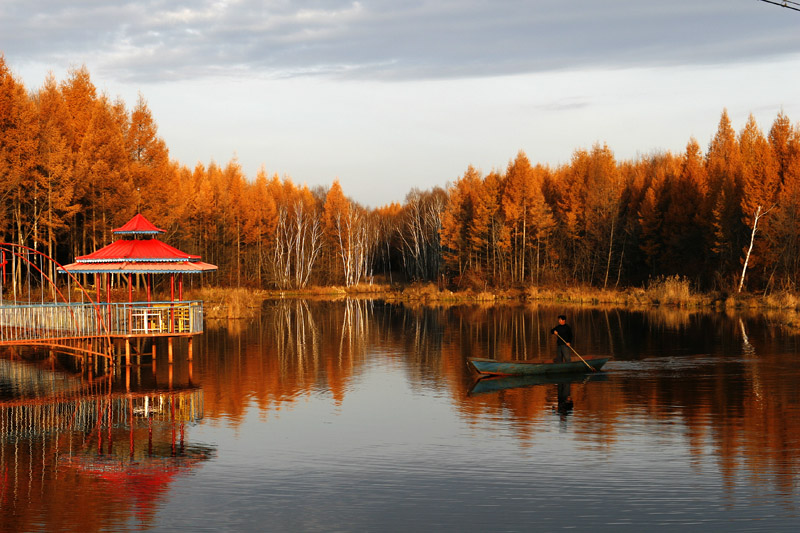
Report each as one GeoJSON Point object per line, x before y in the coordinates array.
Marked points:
{"type": "Point", "coordinates": [145, 256]}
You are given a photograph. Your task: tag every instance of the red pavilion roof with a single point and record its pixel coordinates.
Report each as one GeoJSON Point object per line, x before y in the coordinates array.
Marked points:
{"type": "Point", "coordinates": [139, 255]}
{"type": "Point", "coordinates": [141, 267]}
{"type": "Point", "coordinates": [138, 225]}
{"type": "Point", "coordinates": [137, 251]}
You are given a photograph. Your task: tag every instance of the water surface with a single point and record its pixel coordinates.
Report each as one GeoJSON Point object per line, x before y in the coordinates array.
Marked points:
{"type": "Point", "coordinates": [357, 415]}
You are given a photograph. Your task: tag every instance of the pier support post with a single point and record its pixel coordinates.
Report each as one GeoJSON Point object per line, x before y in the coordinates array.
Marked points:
{"type": "Point", "coordinates": [190, 349]}
{"type": "Point", "coordinates": [169, 350]}
{"type": "Point", "coordinates": [128, 352]}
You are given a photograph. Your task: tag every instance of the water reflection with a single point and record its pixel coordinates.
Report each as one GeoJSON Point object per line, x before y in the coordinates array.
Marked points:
{"type": "Point", "coordinates": [681, 368]}
{"type": "Point", "coordinates": [483, 385]}
{"type": "Point", "coordinates": [363, 415]}
{"type": "Point", "coordinates": [86, 453]}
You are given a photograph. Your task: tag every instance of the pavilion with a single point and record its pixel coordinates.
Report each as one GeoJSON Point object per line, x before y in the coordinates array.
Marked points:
{"type": "Point", "coordinates": [140, 252]}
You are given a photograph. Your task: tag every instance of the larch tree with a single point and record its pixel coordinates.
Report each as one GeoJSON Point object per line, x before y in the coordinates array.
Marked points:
{"type": "Point", "coordinates": [723, 167]}
{"type": "Point", "coordinates": [232, 198]}
{"type": "Point", "coordinates": [527, 216]}
{"type": "Point", "coordinates": [260, 220]}
{"type": "Point", "coordinates": [104, 186]}
{"type": "Point", "coordinates": [457, 218]}
{"type": "Point", "coordinates": [341, 223]}
{"type": "Point", "coordinates": [687, 240]}
{"type": "Point", "coordinates": [603, 195]}
{"type": "Point", "coordinates": [20, 197]}
{"type": "Point", "coordinates": [149, 162]}
{"type": "Point", "coordinates": [18, 156]}
{"type": "Point", "coordinates": [651, 221]}
{"type": "Point", "coordinates": [55, 165]}
{"type": "Point", "coordinates": [760, 183]}
{"type": "Point", "coordinates": [485, 227]}
{"type": "Point", "coordinates": [782, 234]}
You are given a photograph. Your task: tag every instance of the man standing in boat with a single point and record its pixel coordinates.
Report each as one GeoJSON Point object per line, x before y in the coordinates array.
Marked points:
{"type": "Point", "coordinates": [563, 335]}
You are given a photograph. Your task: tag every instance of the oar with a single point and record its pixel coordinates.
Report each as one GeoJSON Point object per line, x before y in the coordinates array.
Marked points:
{"type": "Point", "coordinates": [593, 369]}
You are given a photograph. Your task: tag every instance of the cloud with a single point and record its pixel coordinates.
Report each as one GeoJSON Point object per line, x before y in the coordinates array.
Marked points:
{"type": "Point", "coordinates": [156, 40]}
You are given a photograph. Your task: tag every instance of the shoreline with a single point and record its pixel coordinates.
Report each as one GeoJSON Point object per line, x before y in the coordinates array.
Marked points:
{"type": "Point", "coordinates": [242, 303]}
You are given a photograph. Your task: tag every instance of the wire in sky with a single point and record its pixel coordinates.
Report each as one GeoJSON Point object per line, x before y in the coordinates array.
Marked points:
{"type": "Point", "coordinates": [784, 3]}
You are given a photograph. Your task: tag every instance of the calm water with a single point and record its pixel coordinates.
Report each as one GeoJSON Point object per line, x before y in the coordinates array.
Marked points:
{"type": "Point", "coordinates": [354, 416]}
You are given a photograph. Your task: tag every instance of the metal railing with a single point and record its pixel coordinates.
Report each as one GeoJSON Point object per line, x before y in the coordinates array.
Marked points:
{"type": "Point", "coordinates": [79, 320]}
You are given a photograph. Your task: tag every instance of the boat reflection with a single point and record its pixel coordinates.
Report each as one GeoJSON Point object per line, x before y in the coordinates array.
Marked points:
{"type": "Point", "coordinates": [494, 384]}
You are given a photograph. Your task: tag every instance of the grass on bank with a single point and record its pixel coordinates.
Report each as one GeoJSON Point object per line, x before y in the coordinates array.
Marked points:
{"type": "Point", "coordinates": [674, 291]}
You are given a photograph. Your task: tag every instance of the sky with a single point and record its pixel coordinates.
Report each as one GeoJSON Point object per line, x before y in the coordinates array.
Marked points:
{"type": "Point", "coordinates": [387, 96]}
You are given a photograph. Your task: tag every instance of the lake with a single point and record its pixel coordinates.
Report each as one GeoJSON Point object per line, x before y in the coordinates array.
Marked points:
{"type": "Point", "coordinates": [362, 415]}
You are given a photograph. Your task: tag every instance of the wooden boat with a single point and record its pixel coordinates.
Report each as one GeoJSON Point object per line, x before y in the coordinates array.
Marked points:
{"type": "Point", "coordinates": [524, 368]}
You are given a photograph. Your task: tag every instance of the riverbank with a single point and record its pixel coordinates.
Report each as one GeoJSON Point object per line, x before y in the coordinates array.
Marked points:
{"type": "Point", "coordinates": [782, 307]}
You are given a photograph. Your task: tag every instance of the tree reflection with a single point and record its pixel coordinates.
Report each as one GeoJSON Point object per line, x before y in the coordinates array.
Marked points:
{"type": "Point", "coordinates": [729, 391]}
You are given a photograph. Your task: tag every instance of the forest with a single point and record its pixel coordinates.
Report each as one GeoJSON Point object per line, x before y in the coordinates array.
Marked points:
{"type": "Point", "coordinates": [75, 164]}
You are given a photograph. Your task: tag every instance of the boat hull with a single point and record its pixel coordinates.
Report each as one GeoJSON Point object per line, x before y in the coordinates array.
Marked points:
{"type": "Point", "coordinates": [520, 368]}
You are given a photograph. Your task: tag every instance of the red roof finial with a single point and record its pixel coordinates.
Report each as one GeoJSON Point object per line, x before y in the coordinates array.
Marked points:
{"type": "Point", "coordinates": [138, 225]}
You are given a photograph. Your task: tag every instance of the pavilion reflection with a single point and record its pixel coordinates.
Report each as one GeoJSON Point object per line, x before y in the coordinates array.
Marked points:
{"type": "Point", "coordinates": [57, 440]}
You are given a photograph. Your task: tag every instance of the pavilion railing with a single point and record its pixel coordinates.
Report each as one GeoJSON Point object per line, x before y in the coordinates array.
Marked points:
{"type": "Point", "coordinates": [76, 320]}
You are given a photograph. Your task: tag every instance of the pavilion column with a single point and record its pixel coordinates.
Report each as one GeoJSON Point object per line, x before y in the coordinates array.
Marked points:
{"type": "Point", "coordinates": [108, 299]}
{"type": "Point", "coordinates": [171, 307]}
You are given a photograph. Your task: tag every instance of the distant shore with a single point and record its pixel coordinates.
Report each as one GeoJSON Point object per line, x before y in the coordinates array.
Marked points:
{"type": "Point", "coordinates": [243, 303]}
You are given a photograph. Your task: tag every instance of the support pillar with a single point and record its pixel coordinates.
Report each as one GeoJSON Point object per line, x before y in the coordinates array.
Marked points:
{"type": "Point", "coordinates": [169, 350]}
{"type": "Point", "coordinates": [190, 348]}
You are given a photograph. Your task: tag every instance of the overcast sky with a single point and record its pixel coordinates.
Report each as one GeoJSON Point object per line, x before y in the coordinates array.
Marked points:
{"type": "Point", "coordinates": [391, 95]}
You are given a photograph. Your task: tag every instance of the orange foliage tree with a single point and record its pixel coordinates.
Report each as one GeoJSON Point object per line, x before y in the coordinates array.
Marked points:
{"type": "Point", "coordinates": [74, 164]}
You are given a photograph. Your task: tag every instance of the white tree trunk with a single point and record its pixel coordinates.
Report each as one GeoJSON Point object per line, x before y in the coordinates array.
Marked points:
{"type": "Point", "coordinates": [750, 248]}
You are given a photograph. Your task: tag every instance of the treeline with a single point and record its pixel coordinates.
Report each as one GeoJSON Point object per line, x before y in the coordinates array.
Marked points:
{"type": "Point", "coordinates": [75, 164]}
{"type": "Point", "coordinates": [711, 217]}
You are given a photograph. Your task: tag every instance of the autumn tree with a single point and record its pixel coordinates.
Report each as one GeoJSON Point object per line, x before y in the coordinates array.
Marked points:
{"type": "Point", "coordinates": [487, 223]}
{"type": "Point", "coordinates": [760, 181]}
{"type": "Point", "coordinates": [782, 233]}
{"type": "Point", "coordinates": [528, 218]}
{"type": "Point", "coordinates": [20, 196]}
{"type": "Point", "coordinates": [55, 168]}
{"type": "Point", "coordinates": [457, 221]}
{"type": "Point", "coordinates": [723, 166]}
{"type": "Point", "coordinates": [349, 233]}
{"type": "Point", "coordinates": [687, 240]}
{"type": "Point", "coordinates": [259, 222]}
